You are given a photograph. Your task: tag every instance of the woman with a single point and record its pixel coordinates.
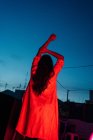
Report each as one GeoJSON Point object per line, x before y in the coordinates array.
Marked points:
{"type": "Point", "coordinates": [39, 114]}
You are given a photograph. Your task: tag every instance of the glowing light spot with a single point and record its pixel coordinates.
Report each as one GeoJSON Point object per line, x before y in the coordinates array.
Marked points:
{"type": "Point", "coordinates": [91, 137]}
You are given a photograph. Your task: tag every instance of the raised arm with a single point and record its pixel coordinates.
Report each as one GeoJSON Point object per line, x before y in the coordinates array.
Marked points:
{"type": "Point", "coordinates": [57, 55]}
{"type": "Point", "coordinates": [44, 49]}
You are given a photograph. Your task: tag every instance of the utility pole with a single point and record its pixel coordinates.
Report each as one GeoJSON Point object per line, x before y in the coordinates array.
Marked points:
{"type": "Point", "coordinates": [67, 95]}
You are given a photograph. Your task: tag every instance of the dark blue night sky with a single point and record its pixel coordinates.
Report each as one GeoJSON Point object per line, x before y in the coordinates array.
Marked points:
{"type": "Point", "coordinates": [26, 24]}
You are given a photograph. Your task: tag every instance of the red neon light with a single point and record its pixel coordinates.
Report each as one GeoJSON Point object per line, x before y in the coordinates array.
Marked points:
{"type": "Point", "coordinates": [91, 137]}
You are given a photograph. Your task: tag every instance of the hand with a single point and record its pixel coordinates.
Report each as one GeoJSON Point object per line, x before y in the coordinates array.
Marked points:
{"type": "Point", "coordinates": [52, 37]}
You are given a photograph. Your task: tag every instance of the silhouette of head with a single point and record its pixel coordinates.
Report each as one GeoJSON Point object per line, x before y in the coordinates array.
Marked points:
{"type": "Point", "coordinates": [45, 64]}
{"type": "Point", "coordinates": [43, 73]}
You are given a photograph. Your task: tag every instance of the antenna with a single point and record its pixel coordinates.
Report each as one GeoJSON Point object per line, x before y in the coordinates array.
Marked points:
{"type": "Point", "coordinates": [19, 86]}
{"type": "Point", "coordinates": [6, 85]}
{"type": "Point", "coordinates": [25, 84]}
{"type": "Point", "coordinates": [13, 88]}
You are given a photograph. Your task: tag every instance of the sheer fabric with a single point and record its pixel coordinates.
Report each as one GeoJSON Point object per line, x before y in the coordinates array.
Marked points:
{"type": "Point", "coordinates": [39, 114]}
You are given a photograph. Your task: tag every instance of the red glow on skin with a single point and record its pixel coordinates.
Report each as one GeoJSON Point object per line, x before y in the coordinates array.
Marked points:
{"type": "Point", "coordinates": [91, 137]}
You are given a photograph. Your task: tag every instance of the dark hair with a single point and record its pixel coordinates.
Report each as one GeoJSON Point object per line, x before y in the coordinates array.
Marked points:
{"type": "Point", "coordinates": [43, 73]}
